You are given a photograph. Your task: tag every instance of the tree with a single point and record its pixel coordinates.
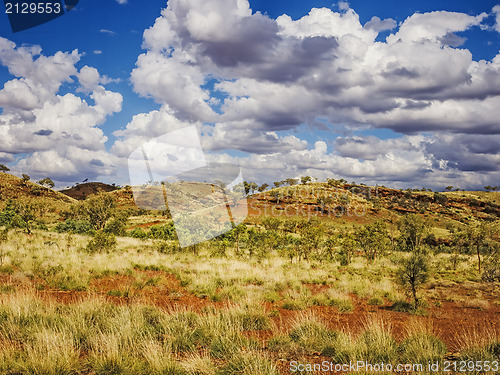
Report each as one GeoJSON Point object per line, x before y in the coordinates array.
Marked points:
{"type": "Point", "coordinates": [97, 209]}
{"type": "Point", "coordinates": [323, 201]}
{"type": "Point", "coordinates": [263, 187]}
{"type": "Point", "coordinates": [413, 229]}
{"type": "Point", "coordinates": [25, 179]}
{"type": "Point", "coordinates": [4, 168]}
{"type": "Point", "coordinates": [291, 181]}
{"type": "Point", "coordinates": [348, 243]}
{"type": "Point", "coordinates": [311, 235]}
{"type": "Point", "coordinates": [277, 183]}
{"type": "Point", "coordinates": [332, 182]}
{"type": "Point", "coordinates": [478, 239]}
{"type": "Point", "coordinates": [250, 187]}
{"type": "Point", "coordinates": [101, 242]}
{"type": "Point", "coordinates": [220, 183]}
{"type": "Point", "coordinates": [305, 179]}
{"type": "Point", "coordinates": [449, 188]}
{"type": "Point", "coordinates": [474, 238]}
{"type": "Point", "coordinates": [412, 274]}
{"type": "Point", "coordinates": [47, 182]}
{"type": "Point", "coordinates": [373, 239]}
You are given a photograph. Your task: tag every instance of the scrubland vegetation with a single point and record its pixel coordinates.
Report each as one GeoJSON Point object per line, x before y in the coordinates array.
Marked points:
{"type": "Point", "coordinates": [94, 287]}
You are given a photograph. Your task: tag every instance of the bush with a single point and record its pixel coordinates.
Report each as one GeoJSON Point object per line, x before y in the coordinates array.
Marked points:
{"type": "Point", "coordinates": [138, 233]}
{"type": "Point", "coordinates": [165, 247]}
{"type": "Point", "coordinates": [115, 226]}
{"type": "Point", "coordinates": [75, 226]}
{"type": "Point", "coordinates": [412, 273]}
{"type": "Point", "coordinates": [163, 232]}
{"type": "Point", "coordinates": [101, 242]}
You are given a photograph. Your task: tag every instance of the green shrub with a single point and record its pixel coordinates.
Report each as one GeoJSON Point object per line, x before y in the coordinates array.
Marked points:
{"type": "Point", "coordinates": [165, 247]}
{"type": "Point", "coordinates": [271, 296]}
{"type": "Point", "coordinates": [138, 233]}
{"type": "Point", "coordinates": [75, 226]}
{"type": "Point", "coordinates": [377, 301]}
{"type": "Point", "coordinates": [412, 274]}
{"type": "Point", "coordinates": [402, 306]}
{"type": "Point", "coordinates": [115, 226]}
{"type": "Point", "coordinates": [101, 242]}
{"type": "Point", "coordinates": [489, 352]}
{"type": "Point", "coordinates": [163, 232]}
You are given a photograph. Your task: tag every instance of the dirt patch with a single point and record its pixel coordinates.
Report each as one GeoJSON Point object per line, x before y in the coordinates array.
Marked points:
{"type": "Point", "coordinates": [450, 319]}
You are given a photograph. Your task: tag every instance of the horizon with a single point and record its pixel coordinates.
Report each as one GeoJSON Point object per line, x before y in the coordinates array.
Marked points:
{"type": "Point", "coordinates": [402, 95]}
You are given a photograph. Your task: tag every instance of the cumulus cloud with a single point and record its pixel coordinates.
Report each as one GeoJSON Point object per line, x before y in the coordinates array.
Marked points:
{"type": "Point", "coordinates": [496, 10]}
{"type": "Point", "coordinates": [472, 153]}
{"type": "Point", "coordinates": [248, 81]}
{"type": "Point", "coordinates": [343, 5]}
{"type": "Point", "coordinates": [381, 25]}
{"type": "Point", "coordinates": [60, 133]}
{"type": "Point", "coordinates": [272, 75]}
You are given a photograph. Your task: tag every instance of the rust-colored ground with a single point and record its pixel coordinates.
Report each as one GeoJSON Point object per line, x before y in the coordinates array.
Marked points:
{"type": "Point", "coordinates": [449, 317]}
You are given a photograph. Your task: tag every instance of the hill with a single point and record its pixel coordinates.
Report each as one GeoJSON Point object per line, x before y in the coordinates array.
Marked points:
{"type": "Point", "coordinates": [360, 203]}
{"type": "Point", "coordinates": [13, 187]}
{"type": "Point", "coordinates": [82, 191]}
{"type": "Point", "coordinates": [348, 203]}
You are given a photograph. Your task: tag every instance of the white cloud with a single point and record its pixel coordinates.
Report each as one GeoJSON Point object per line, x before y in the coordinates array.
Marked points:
{"type": "Point", "coordinates": [381, 25]}
{"type": "Point", "coordinates": [433, 26]}
{"type": "Point", "coordinates": [106, 31]}
{"type": "Point", "coordinates": [144, 127]}
{"type": "Point", "coordinates": [496, 10]}
{"type": "Point", "coordinates": [343, 5]}
{"type": "Point", "coordinates": [173, 81]}
{"type": "Point", "coordinates": [324, 22]}
{"type": "Point", "coordinates": [121, 2]}
{"type": "Point", "coordinates": [90, 79]}
{"type": "Point", "coordinates": [269, 76]}
{"type": "Point", "coordinates": [60, 132]}
{"type": "Point", "coordinates": [273, 75]}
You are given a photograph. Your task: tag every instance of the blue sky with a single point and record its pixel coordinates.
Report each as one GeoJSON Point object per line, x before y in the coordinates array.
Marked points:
{"type": "Point", "coordinates": [396, 93]}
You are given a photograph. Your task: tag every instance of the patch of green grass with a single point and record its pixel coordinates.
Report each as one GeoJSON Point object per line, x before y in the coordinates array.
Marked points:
{"type": "Point", "coordinates": [421, 347]}
{"type": "Point", "coordinates": [249, 364]}
{"type": "Point", "coordinates": [404, 306]}
{"type": "Point", "coordinates": [376, 301]}
{"type": "Point", "coordinates": [271, 296]}
{"type": "Point", "coordinates": [293, 305]}
{"type": "Point", "coordinates": [7, 288]}
{"type": "Point", "coordinates": [7, 268]}
{"type": "Point", "coordinates": [280, 343]}
{"type": "Point", "coordinates": [311, 335]}
{"type": "Point", "coordinates": [115, 293]}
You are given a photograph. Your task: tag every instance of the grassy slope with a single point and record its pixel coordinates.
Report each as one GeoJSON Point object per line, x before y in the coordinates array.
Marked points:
{"type": "Point", "coordinates": [11, 187]}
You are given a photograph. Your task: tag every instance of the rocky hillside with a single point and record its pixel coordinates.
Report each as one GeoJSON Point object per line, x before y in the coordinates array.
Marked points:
{"type": "Point", "coordinates": [82, 191]}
